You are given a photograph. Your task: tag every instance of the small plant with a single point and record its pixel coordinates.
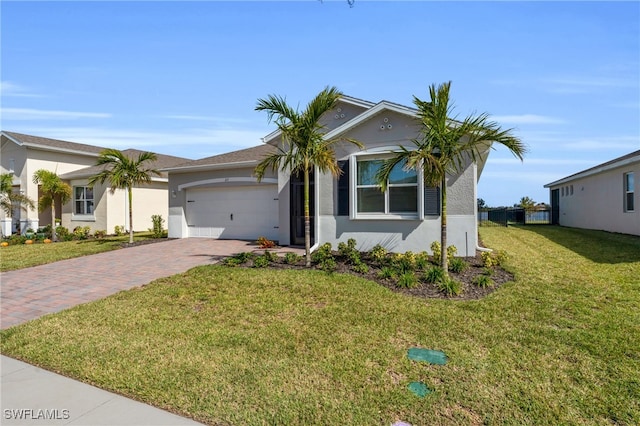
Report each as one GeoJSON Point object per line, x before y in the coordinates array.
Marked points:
{"type": "Point", "coordinates": [422, 261]}
{"type": "Point", "coordinates": [451, 252]}
{"type": "Point", "coordinates": [271, 256]}
{"type": "Point", "coordinates": [387, 272]}
{"type": "Point", "coordinates": [243, 257]}
{"type": "Point", "coordinates": [404, 262]}
{"type": "Point", "coordinates": [501, 257]}
{"type": "Point", "coordinates": [323, 253]}
{"type": "Point", "coordinates": [100, 233]}
{"type": "Point", "coordinates": [62, 233]}
{"type": "Point", "coordinates": [328, 264]}
{"type": "Point", "coordinates": [407, 280]}
{"type": "Point", "coordinates": [449, 286]}
{"type": "Point", "coordinates": [378, 254]}
{"type": "Point", "coordinates": [265, 243]}
{"type": "Point", "coordinates": [349, 252]}
{"type": "Point", "coordinates": [291, 258]}
{"type": "Point", "coordinates": [482, 281]}
{"type": "Point", "coordinates": [118, 230]}
{"type": "Point", "coordinates": [157, 231]}
{"type": "Point", "coordinates": [232, 262]}
{"type": "Point", "coordinates": [457, 265]}
{"type": "Point", "coordinates": [261, 262]}
{"type": "Point", "coordinates": [434, 275]}
{"type": "Point", "coordinates": [361, 268]}
{"type": "Point", "coordinates": [47, 231]}
{"type": "Point", "coordinates": [81, 232]}
{"type": "Point", "coordinates": [488, 259]}
{"type": "Point", "coordinates": [436, 252]}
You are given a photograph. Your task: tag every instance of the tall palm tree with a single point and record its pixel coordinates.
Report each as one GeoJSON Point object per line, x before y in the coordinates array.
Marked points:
{"type": "Point", "coordinates": [52, 188]}
{"type": "Point", "coordinates": [9, 199]}
{"type": "Point", "coordinates": [444, 146]}
{"type": "Point", "coordinates": [123, 172]}
{"type": "Point", "coordinates": [303, 144]}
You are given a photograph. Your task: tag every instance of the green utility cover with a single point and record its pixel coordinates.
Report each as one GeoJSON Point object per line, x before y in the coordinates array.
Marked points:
{"type": "Point", "coordinates": [427, 355]}
{"type": "Point", "coordinates": [419, 388]}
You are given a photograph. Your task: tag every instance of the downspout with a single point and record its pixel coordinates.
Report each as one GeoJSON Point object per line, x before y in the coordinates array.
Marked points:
{"type": "Point", "coordinates": [316, 222]}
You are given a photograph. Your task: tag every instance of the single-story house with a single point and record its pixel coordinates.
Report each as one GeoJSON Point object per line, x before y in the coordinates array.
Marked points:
{"type": "Point", "coordinates": [220, 197]}
{"type": "Point", "coordinates": [603, 197]}
{"type": "Point", "coordinates": [74, 162]}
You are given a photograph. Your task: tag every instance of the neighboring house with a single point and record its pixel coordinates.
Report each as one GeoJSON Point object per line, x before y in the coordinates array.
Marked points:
{"type": "Point", "coordinates": [23, 154]}
{"type": "Point", "coordinates": [219, 196]}
{"type": "Point", "coordinates": [603, 197]}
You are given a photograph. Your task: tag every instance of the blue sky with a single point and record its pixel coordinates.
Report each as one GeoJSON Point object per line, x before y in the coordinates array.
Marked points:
{"type": "Point", "coordinates": [183, 78]}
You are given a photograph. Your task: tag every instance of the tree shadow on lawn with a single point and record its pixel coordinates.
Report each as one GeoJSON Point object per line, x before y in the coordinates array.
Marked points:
{"type": "Point", "coordinates": [597, 246]}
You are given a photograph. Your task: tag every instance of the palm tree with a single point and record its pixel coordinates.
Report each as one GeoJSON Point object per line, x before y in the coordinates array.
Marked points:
{"type": "Point", "coordinates": [52, 188]}
{"type": "Point", "coordinates": [445, 145]}
{"type": "Point", "coordinates": [303, 144]}
{"type": "Point", "coordinates": [123, 172]}
{"type": "Point", "coordinates": [527, 203]}
{"type": "Point", "coordinates": [10, 199]}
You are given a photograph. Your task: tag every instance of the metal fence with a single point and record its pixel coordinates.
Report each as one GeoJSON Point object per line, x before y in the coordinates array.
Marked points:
{"type": "Point", "coordinates": [513, 216]}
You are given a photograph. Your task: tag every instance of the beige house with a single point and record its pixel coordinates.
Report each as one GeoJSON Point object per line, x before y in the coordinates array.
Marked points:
{"type": "Point", "coordinates": [604, 197]}
{"type": "Point", "coordinates": [74, 162]}
{"type": "Point", "coordinates": [220, 197]}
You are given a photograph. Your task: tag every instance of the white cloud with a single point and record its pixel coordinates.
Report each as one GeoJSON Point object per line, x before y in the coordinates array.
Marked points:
{"type": "Point", "coordinates": [40, 114]}
{"type": "Point", "coordinates": [8, 88]}
{"type": "Point", "coordinates": [526, 119]}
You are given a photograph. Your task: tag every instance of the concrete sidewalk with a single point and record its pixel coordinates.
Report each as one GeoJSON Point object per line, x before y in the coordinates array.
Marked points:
{"type": "Point", "coordinates": [33, 396]}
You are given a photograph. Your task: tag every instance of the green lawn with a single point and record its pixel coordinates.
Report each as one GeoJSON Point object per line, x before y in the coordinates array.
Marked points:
{"type": "Point", "coordinates": [560, 345]}
{"type": "Point", "coordinates": [20, 256]}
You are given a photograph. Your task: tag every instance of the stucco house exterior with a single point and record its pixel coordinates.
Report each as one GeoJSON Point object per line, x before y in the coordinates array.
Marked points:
{"type": "Point", "coordinates": [96, 207]}
{"type": "Point", "coordinates": [220, 197]}
{"type": "Point", "coordinates": [604, 197]}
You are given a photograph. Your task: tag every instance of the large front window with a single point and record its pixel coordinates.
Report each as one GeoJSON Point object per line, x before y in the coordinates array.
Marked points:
{"type": "Point", "coordinates": [401, 196]}
{"type": "Point", "coordinates": [83, 200]}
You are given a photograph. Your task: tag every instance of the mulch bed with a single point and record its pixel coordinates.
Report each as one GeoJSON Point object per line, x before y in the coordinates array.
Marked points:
{"type": "Point", "coordinates": [423, 290]}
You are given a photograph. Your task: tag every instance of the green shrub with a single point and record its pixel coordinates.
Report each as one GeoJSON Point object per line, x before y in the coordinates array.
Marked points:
{"type": "Point", "coordinates": [407, 280]}
{"type": "Point", "coordinates": [47, 231]}
{"type": "Point", "coordinates": [261, 262]}
{"type": "Point", "coordinates": [271, 256]}
{"type": "Point", "coordinates": [328, 264]}
{"type": "Point", "coordinates": [348, 251]}
{"type": "Point", "coordinates": [449, 286]}
{"type": "Point", "coordinates": [501, 257]}
{"type": "Point", "coordinates": [387, 272]}
{"type": "Point", "coordinates": [422, 261]}
{"type": "Point", "coordinates": [292, 258]}
{"type": "Point", "coordinates": [482, 281]}
{"type": "Point", "coordinates": [487, 271]}
{"type": "Point", "coordinates": [404, 262]}
{"type": "Point", "coordinates": [81, 232]}
{"type": "Point", "coordinates": [457, 265]}
{"type": "Point", "coordinates": [434, 275]}
{"type": "Point", "coordinates": [436, 252]}
{"type": "Point", "coordinates": [16, 239]}
{"type": "Point", "coordinates": [451, 252]}
{"type": "Point", "coordinates": [323, 253]}
{"type": "Point", "coordinates": [158, 226]}
{"type": "Point", "coordinates": [243, 257]}
{"type": "Point", "coordinates": [100, 233]}
{"type": "Point", "coordinates": [488, 259]}
{"type": "Point", "coordinates": [378, 254]}
{"type": "Point", "coordinates": [361, 268]}
{"type": "Point", "coordinates": [62, 233]}
{"type": "Point", "coordinates": [231, 262]}
{"type": "Point", "coordinates": [118, 230]}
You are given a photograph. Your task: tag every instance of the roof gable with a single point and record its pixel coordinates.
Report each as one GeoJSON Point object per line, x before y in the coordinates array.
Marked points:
{"type": "Point", "coordinates": [632, 157]}
{"type": "Point", "coordinates": [48, 144]}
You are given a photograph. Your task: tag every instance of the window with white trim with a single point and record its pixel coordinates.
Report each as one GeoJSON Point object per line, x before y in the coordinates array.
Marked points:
{"type": "Point", "coordinates": [628, 192]}
{"type": "Point", "coordinates": [400, 198]}
{"type": "Point", "coordinates": [83, 200]}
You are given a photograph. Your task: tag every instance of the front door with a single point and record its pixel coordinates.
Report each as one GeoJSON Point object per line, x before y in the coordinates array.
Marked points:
{"type": "Point", "coordinates": [297, 208]}
{"type": "Point", "coordinates": [555, 206]}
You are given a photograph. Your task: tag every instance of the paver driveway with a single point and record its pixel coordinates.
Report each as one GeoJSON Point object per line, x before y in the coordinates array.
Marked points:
{"type": "Point", "coordinates": [29, 293]}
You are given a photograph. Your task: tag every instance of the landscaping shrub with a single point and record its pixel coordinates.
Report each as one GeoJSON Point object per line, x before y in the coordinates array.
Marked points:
{"type": "Point", "coordinates": [451, 252]}
{"type": "Point", "coordinates": [361, 268]}
{"type": "Point", "coordinates": [232, 261]}
{"type": "Point", "coordinates": [292, 258]}
{"type": "Point", "coordinates": [349, 252]}
{"type": "Point", "coordinates": [436, 252]}
{"type": "Point", "coordinates": [100, 233]}
{"type": "Point", "coordinates": [379, 254]}
{"type": "Point", "coordinates": [118, 230]}
{"type": "Point", "coordinates": [457, 265]}
{"type": "Point", "coordinates": [81, 232]}
{"type": "Point", "coordinates": [63, 233]}
{"type": "Point", "coordinates": [261, 261]}
{"type": "Point", "coordinates": [265, 243]}
{"type": "Point", "coordinates": [422, 261]}
{"type": "Point", "coordinates": [493, 259]}
{"type": "Point", "coordinates": [47, 231]}
{"type": "Point", "coordinates": [323, 253]}
{"type": "Point", "coordinates": [271, 256]}
{"type": "Point", "coordinates": [407, 280]}
{"type": "Point", "coordinates": [449, 286]}
{"type": "Point", "coordinates": [17, 239]}
{"type": "Point", "coordinates": [157, 231]}
{"type": "Point", "coordinates": [244, 257]}
{"type": "Point", "coordinates": [434, 275]}
{"type": "Point", "coordinates": [404, 262]}
{"type": "Point", "coordinates": [387, 272]}
{"type": "Point", "coordinates": [482, 281]}
{"type": "Point", "coordinates": [328, 265]}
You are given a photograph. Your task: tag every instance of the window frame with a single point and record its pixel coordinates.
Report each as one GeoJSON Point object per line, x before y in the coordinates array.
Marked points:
{"type": "Point", "coordinates": [627, 191]}
{"type": "Point", "coordinates": [382, 154]}
{"type": "Point", "coordinates": [84, 200]}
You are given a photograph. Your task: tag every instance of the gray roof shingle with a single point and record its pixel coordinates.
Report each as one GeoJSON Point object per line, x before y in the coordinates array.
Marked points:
{"type": "Point", "coordinates": [253, 154]}
{"type": "Point", "coordinates": [54, 144]}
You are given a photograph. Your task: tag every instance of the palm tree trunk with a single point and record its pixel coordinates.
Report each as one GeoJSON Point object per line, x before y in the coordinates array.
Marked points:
{"type": "Point", "coordinates": [307, 220]}
{"type": "Point", "coordinates": [443, 228]}
{"type": "Point", "coordinates": [53, 219]}
{"type": "Point", "coordinates": [130, 194]}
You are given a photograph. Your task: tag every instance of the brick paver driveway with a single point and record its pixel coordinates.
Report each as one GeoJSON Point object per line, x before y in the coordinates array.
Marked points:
{"type": "Point", "coordinates": [29, 293]}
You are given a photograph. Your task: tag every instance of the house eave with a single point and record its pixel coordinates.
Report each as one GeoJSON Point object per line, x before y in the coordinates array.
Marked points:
{"type": "Point", "coordinates": [206, 167]}
{"type": "Point", "coordinates": [48, 148]}
{"type": "Point", "coordinates": [594, 171]}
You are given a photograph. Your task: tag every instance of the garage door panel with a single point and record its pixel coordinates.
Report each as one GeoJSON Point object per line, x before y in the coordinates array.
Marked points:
{"type": "Point", "coordinates": [245, 212]}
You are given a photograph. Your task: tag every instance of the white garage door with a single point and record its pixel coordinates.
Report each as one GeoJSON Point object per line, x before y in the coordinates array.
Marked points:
{"type": "Point", "coordinates": [242, 212]}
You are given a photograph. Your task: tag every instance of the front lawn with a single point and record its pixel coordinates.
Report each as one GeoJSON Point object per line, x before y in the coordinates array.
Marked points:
{"type": "Point", "coordinates": [18, 256]}
{"type": "Point", "coordinates": [262, 346]}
